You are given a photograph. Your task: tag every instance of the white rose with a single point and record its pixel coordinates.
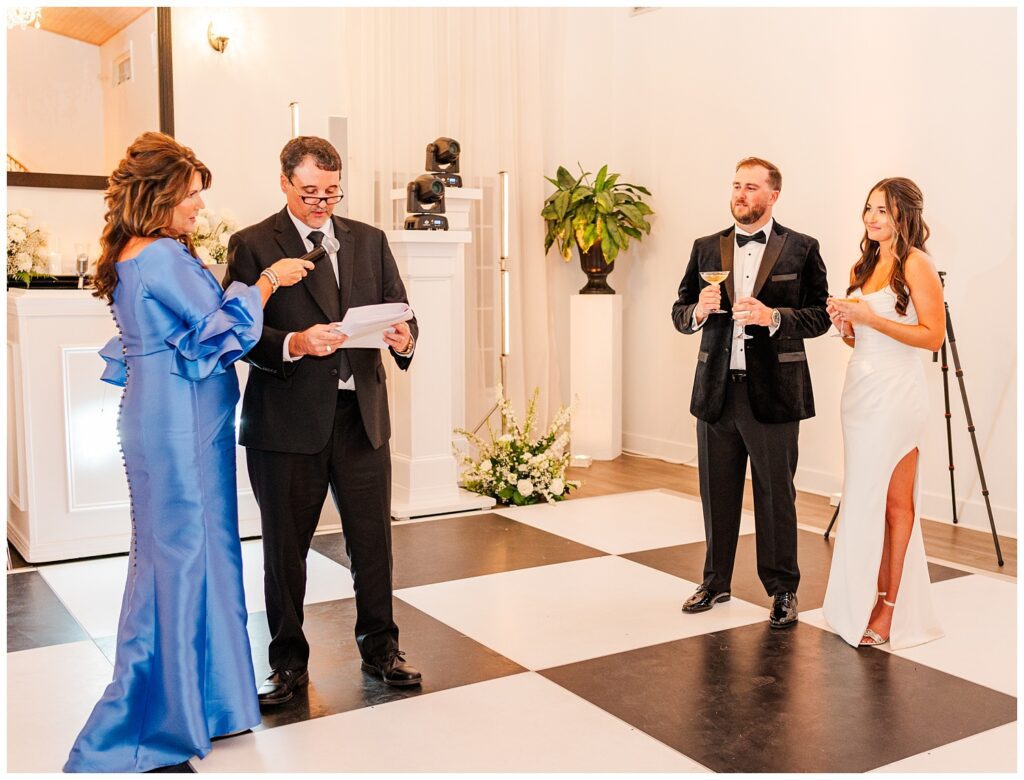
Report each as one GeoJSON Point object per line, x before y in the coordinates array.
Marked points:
{"type": "Point", "coordinates": [23, 261]}
{"type": "Point", "coordinates": [485, 465]}
{"type": "Point", "coordinates": [525, 488]}
{"type": "Point", "coordinates": [223, 239]}
{"type": "Point", "coordinates": [26, 213]}
{"type": "Point", "coordinates": [202, 224]}
{"type": "Point", "coordinates": [16, 220]}
{"type": "Point", "coordinates": [557, 487]}
{"type": "Point", "coordinates": [204, 254]}
{"type": "Point", "coordinates": [506, 437]}
{"type": "Point", "coordinates": [227, 216]}
{"type": "Point", "coordinates": [15, 235]}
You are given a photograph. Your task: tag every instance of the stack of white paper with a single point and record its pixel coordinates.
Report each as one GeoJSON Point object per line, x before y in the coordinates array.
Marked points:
{"type": "Point", "coordinates": [365, 326]}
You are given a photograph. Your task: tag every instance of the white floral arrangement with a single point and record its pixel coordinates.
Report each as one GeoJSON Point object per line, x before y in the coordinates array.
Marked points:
{"type": "Point", "coordinates": [513, 467]}
{"type": "Point", "coordinates": [26, 247]}
{"type": "Point", "coordinates": [210, 238]}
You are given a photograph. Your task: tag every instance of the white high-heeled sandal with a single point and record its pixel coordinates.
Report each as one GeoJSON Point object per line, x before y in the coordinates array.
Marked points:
{"type": "Point", "coordinates": [872, 635]}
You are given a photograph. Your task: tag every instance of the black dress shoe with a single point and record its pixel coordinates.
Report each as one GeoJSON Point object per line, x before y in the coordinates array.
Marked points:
{"type": "Point", "coordinates": [705, 599]}
{"type": "Point", "coordinates": [281, 685]}
{"type": "Point", "coordinates": [393, 669]}
{"type": "Point", "coordinates": [182, 768]}
{"type": "Point", "coordinates": [783, 614]}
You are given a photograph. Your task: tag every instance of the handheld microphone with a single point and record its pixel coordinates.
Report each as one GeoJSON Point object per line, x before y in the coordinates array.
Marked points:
{"type": "Point", "coordinates": [330, 244]}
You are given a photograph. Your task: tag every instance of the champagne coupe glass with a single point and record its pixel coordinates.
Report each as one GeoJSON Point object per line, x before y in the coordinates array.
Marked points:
{"type": "Point", "coordinates": [714, 277]}
{"type": "Point", "coordinates": [741, 318]}
{"type": "Point", "coordinates": [840, 333]}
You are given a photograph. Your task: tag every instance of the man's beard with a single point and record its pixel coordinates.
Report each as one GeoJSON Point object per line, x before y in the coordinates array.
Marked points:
{"type": "Point", "coordinates": [755, 214]}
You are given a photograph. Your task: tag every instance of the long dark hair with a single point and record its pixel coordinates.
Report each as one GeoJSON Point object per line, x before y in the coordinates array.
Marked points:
{"type": "Point", "coordinates": [154, 177]}
{"type": "Point", "coordinates": [904, 204]}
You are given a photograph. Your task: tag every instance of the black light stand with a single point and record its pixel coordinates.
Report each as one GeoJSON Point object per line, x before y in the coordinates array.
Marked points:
{"type": "Point", "coordinates": [951, 340]}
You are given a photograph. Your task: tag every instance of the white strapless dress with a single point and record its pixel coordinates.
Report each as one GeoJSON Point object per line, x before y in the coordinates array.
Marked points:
{"type": "Point", "coordinates": [884, 410]}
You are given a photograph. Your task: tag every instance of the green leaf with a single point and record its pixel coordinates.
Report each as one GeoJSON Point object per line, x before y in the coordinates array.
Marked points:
{"type": "Point", "coordinates": [562, 203]}
{"type": "Point", "coordinates": [632, 213]}
{"type": "Point", "coordinates": [609, 248]}
{"type": "Point", "coordinates": [601, 174]}
{"type": "Point", "coordinates": [637, 187]}
{"type": "Point", "coordinates": [611, 180]}
{"type": "Point", "coordinates": [630, 231]}
{"type": "Point", "coordinates": [643, 208]}
{"type": "Point", "coordinates": [580, 193]}
{"type": "Point", "coordinates": [566, 181]}
{"type": "Point", "coordinates": [605, 202]}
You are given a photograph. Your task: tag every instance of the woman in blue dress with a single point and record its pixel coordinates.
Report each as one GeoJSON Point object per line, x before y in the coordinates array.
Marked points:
{"type": "Point", "coordinates": [183, 670]}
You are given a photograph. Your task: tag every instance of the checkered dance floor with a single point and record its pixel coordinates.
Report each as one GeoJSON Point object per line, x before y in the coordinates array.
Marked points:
{"type": "Point", "coordinates": [551, 638]}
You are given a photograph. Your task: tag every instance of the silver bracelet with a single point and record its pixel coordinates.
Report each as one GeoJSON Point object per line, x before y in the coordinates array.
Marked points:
{"type": "Point", "coordinates": [272, 278]}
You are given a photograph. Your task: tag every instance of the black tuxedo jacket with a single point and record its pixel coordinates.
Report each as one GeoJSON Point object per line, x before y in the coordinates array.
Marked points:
{"type": "Point", "coordinates": [792, 279]}
{"type": "Point", "coordinates": [289, 406]}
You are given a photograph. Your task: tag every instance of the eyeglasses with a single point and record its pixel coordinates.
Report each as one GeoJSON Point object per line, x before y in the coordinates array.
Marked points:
{"type": "Point", "coordinates": [313, 200]}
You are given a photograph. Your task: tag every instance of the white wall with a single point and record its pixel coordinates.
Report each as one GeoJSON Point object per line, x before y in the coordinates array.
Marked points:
{"type": "Point", "coordinates": [133, 106]}
{"type": "Point", "coordinates": [837, 107]}
{"type": "Point", "coordinates": [54, 103]}
{"type": "Point", "coordinates": [826, 95]}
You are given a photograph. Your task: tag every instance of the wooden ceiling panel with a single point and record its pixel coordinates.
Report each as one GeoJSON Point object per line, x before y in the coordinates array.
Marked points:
{"type": "Point", "coordinates": [91, 25]}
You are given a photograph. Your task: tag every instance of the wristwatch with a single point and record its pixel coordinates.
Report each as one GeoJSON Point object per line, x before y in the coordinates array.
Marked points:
{"type": "Point", "coordinates": [776, 318]}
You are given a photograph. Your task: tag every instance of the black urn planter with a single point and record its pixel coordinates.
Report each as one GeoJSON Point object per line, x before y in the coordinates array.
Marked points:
{"type": "Point", "coordinates": [597, 270]}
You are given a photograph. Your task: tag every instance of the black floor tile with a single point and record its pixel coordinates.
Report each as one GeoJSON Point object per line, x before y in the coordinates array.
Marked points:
{"type": "Point", "coordinates": [814, 555]}
{"type": "Point", "coordinates": [446, 658]}
{"type": "Point", "coordinates": [459, 547]}
{"type": "Point", "coordinates": [35, 616]}
{"type": "Point", "coordinates": [754, 699]}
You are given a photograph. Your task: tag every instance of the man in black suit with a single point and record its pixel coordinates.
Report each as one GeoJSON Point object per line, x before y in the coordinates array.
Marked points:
{"type": "Point", "coordinates": [316, 417]}
{"type": "Point", "coordinates": [749, 395]}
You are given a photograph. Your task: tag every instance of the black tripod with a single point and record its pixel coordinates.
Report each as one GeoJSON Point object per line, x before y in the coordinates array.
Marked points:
{"type": "Point", "coordinates": [951, 340]}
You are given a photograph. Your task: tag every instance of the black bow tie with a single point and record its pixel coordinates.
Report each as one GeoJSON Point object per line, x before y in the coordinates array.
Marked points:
{"type": "Point", "coordinates": [759, 237]}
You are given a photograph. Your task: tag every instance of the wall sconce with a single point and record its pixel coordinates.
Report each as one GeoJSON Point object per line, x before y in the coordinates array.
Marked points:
{"type": "Point", "coordinates": [217, 42]}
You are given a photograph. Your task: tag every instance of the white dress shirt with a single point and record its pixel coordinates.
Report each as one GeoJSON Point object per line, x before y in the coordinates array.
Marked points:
{"type": "Point", "coordinates": [304, 231]}
{"type": "Point", "coordinates": [745, 263]}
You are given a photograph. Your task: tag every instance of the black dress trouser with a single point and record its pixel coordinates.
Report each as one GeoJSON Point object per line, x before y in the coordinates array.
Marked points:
{"type": "Point", "coordinates": [722, 450]}
{"type": "Point", "coordinates": [290, 490]}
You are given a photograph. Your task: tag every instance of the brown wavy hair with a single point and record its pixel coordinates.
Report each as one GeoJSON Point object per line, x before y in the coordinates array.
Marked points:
{"type": "Point", "coordinates": [904, 203]}
{"type": "Point", "coordinates": [154, 177]}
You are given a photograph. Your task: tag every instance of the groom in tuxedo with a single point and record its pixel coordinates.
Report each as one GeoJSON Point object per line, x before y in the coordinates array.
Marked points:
{"type": "Point", "coordinates": [750, 394]}
{"type": "Point", "coordinates": [315, 417]}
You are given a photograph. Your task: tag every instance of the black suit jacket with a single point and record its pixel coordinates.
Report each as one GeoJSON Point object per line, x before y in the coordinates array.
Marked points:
{"type": "Point", "coordinates": [792, 279]}
{"type": "Point", "coordinates": [289, 406]}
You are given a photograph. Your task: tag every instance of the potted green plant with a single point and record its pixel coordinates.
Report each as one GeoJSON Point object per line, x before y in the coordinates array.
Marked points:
{"type": "Point", "coordinates": [598, 218]}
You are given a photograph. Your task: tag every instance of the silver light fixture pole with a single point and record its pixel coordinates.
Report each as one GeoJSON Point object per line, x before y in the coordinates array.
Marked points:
{"type": "Point", "coordinates": [504, 295]}
{"type": "Point", "coordinates": [294, 108]}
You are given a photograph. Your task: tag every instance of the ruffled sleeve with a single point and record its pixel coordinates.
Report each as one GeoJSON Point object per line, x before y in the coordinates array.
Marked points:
{"type": "Point", "coordinates": [216, 340]}
{"type": "Point", "coordinates": [116, 370]}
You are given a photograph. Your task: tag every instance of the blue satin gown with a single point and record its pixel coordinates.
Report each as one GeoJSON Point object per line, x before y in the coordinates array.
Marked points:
{"type": "Point", "coordinates": [183, 671]}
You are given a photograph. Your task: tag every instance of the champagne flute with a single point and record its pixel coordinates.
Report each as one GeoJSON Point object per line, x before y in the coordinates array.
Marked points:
{"type": "Point", "coordinates": [81, 263]}
{"type": "Point", "coordinates": [714, 277]}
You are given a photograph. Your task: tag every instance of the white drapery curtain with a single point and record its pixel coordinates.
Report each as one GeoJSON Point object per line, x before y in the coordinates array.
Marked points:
{"type": "Point", "coordinates": [475, 75]}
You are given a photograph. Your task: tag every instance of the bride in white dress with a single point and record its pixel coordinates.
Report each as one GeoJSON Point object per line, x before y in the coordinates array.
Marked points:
{"type": "Point", "coordinates": [878, 588]}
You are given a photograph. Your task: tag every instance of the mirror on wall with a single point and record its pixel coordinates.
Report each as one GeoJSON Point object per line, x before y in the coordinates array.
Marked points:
{"type": "Point", "coordinates": [80, 88]}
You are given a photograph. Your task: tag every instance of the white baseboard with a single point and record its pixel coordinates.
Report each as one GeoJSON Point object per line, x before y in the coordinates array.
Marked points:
{"type": "Point", "coordinates": [934, 506]}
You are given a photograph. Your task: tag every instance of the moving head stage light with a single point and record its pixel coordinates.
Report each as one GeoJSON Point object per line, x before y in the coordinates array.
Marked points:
{"type": "Point", "coordinates": [424, 200]}
{"type": "Point", "coordinates": [443, 161]}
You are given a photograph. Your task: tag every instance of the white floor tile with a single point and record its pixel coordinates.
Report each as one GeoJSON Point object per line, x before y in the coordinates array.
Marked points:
{"type": "Point", "coordinates": [989, 751]}
{"type": "Point", "coordinates": [92, 590]}
{"type": "Point", "coordinates": [552, 615]}
{"type": "Point", "coordinates": [979, 616]}
{"type": "Point", "coordinates": [624, 522]}
{"type": "Point", "coordinates": [50, 693]}
{"type": "Point", "coordinates": [326, 580]}
{"type": "Point", "coordinates": [522, 723]}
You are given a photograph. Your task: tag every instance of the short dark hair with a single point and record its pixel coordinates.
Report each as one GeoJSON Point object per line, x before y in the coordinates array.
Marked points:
{"type": "Point", "coordinates": [299, 148]}
{"type": "Point", "coordinates": [774, 174]}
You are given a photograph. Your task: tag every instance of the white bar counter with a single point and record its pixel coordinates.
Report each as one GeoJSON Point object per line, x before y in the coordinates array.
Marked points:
{"type": "Point", "coordinates": [67, 496]}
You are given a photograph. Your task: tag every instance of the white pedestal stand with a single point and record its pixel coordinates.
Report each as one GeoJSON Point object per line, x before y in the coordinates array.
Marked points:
{"type": "Point", "coordinates": [595, 375]}
{"type": "Point", "coordinates": [424, 468]}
